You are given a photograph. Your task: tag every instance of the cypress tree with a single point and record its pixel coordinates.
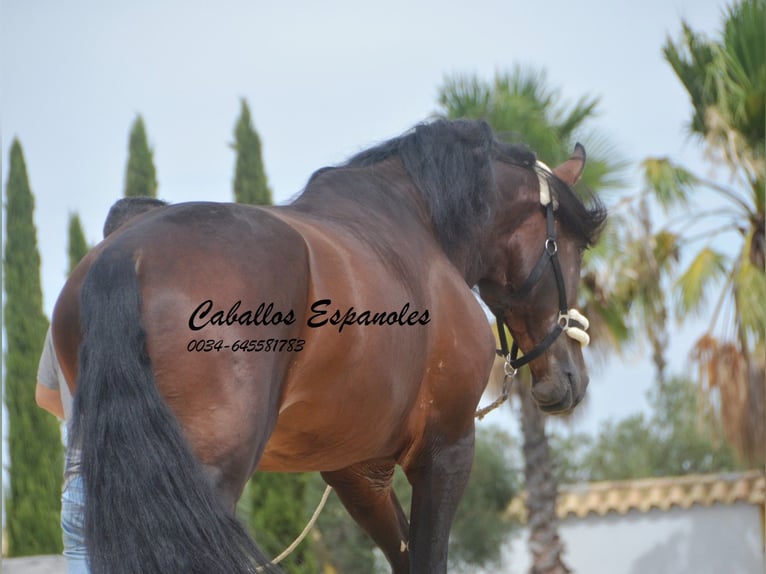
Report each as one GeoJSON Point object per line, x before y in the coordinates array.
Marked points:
{"type": "Point", "coordinates": [250, 184]}
{"type": "Point", "coordinates": [78, 246]}
{"type": "Point", "coordinates": [140, 175]}
{"type": "Point", "coordinates": [33, 505]}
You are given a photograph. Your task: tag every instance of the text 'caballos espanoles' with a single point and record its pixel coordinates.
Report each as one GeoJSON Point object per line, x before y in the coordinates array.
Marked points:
{"type": "Point", "coordinates": [321, 314]}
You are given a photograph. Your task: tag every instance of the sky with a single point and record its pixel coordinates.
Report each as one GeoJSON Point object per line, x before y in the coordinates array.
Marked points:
{"type": "Point", "coordinates": [323, 81]}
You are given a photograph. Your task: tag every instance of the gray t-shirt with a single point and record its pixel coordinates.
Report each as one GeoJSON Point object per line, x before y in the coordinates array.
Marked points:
{"type": "Point", "coordinates": [50, 376]}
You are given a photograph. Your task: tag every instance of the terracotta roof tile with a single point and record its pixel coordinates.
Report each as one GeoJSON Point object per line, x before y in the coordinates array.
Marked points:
{"type": "Point", "coordinates": [642, 495]}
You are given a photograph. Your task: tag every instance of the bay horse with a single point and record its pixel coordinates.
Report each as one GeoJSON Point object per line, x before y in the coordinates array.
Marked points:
{"type": "Point", "coordinates": [337, 334]}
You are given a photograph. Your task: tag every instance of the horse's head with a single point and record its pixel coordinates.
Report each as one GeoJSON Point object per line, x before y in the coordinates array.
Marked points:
{"type": "Point", "coordinates": [539, 234]}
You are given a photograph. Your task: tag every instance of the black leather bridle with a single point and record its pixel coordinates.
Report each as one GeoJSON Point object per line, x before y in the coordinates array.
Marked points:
{"type": "Point", "coordinates": [568, 318]}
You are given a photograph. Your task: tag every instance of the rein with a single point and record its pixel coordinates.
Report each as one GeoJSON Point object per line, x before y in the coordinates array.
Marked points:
{"type": "Point", "coordinates": [570, 321]}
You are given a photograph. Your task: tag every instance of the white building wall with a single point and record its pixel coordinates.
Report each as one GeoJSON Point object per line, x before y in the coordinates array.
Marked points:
{"type": "Point", "coordinates": [720, 539]}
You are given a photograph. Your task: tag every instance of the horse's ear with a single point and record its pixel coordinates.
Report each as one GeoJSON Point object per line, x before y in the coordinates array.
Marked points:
{"type": "Point", "coordinates": [570, 171]}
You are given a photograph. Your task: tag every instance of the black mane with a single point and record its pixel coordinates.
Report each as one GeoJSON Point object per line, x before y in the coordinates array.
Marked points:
{"type": "Point", "coordinates": [583, 220]}
{"type": "Point", "coordinates": [450, 162]}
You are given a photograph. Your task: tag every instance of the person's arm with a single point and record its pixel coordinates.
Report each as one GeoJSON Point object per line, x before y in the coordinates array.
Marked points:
{"type": "Point", "coordinates": [49, 380]}
{"type": "Point", "coordinates": [49, 399]}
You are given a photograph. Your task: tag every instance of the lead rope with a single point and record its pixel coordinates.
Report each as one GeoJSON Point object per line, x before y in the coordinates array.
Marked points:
{"type": "Point", "coordinates": [505, 390]}
{"type": "Point", "coordinates": [508, 369]}
{"type": "Point", "coordinates": [312, 521]}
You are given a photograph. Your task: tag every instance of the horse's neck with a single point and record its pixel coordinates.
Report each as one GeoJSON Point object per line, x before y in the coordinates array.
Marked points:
{"type": "Point", "coordinates": [380, 198]}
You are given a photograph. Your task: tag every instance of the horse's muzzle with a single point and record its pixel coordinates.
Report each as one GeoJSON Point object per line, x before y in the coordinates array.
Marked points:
{"type": "Point", "coordinates": [561, 396]}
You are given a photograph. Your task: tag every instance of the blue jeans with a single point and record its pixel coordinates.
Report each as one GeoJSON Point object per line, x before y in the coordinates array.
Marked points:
{"type": "Point", "coordinates": [72, 517]}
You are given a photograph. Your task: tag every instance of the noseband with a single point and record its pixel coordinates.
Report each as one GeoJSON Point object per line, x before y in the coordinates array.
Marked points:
{"type": "Point", "coordinates": [570, 321]}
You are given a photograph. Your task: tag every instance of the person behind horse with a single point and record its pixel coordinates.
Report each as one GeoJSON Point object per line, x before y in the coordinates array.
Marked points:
{"type": "Point", "coordinates": [53, 395]}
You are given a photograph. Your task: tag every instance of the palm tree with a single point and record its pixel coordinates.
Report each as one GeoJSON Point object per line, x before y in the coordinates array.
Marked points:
{"type": "Point", "coordinates": [637, 282]}
{"type": "Point", "coordinates": [521, 108]}
{"type": "Point", "coordinates": [726, 82]}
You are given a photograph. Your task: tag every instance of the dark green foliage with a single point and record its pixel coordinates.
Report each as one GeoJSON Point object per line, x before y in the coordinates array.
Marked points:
{"type": "Point", "coordinates": [250, 184]}
{"type": "Point", "coordinates": [33, 505]}
{"type": "Point", "coordinates": [726, 75]}
{"type": "Point", "coordinates": [671, 442]}
{"type": "Point", "coordinates": [78, 246]}
{"type": "Point", "coordinates": [273, 507]}
{"type": "Point", "coordinates": [140, 175]}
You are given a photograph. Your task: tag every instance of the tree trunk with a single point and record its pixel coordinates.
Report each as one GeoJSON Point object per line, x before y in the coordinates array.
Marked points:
{"type": "Point", "coordinates": [542, 489]}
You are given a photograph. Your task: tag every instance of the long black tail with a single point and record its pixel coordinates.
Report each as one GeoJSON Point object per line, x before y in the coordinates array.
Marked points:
{"type": "Point", "coordinates": [149, 508]}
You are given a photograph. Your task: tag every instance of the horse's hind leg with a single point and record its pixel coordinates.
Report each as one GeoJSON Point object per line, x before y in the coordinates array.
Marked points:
{"type": "Point", "coordinates": [365, 490]}
{"type": "Point", "coordinates": [438, 479]}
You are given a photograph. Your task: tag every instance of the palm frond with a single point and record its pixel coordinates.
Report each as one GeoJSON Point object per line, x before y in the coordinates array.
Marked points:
{"type": "Point", "coordinates": [690, 59]}
{"type": "Point", "coordinates": [572, 120]}
{"type": "Point", "coordinates": [706, 269]}
{"type": "Point", "coordinates": [666, 249]}
{"type": "Point", "coordinates": [605, 169]}
{"type": "Point", "coordinates": [670, 184]}
{"type": "Point", "coordinates": [743, 58]}
{"type": "Point", "coordinates": [464, 97]}
{"type": "Point", "coordinates": [608, 324]}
